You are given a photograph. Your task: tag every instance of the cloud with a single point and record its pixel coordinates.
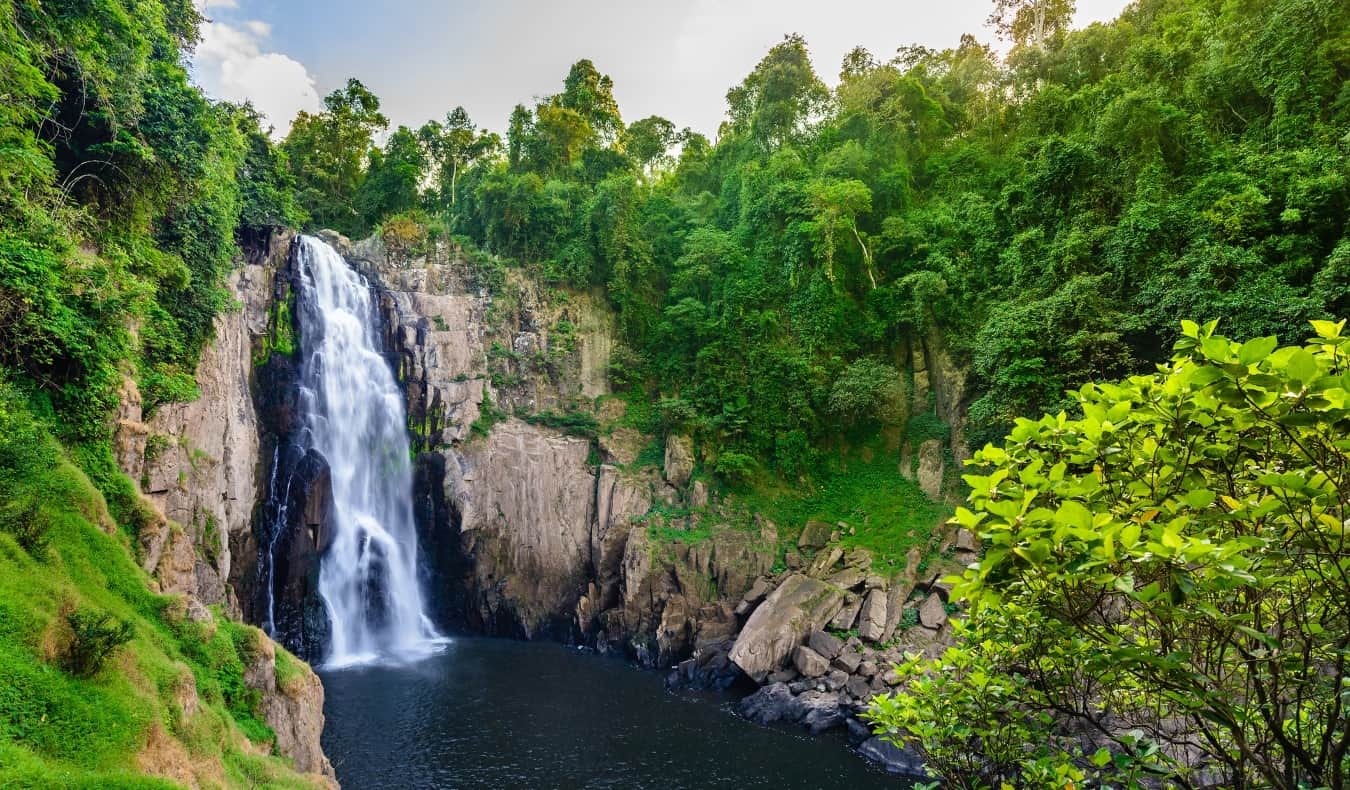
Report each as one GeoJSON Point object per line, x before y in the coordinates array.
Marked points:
{"type": "Point", "coordinates": [231, 63]}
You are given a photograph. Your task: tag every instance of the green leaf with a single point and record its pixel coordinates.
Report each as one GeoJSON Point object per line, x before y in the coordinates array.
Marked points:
{"type": "Point", "coordinates": [1301, 366]}
{"type": "Point", "coordinates": [1328, 329]}
{"type": "Point", "coordinates": [1073, 514]}
{"type": "Point", "coordinates": [1199, 498]}
{"type": "Point", "coordinates": [1256, 349]}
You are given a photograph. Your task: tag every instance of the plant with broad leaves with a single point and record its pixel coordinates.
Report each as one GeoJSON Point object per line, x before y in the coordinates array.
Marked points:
{"type": "Point", "coordinates": [1173, 566]}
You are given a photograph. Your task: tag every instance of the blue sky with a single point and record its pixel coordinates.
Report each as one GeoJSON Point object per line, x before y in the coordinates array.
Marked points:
{"type": "Point", "coordinates": [675, 59]}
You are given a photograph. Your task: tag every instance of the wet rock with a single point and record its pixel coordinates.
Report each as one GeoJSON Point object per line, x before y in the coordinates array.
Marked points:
{"type": "Point", "coordinates": [826, 644]}
{"type": "Point", "coordinates": [872, 616]}
{"type": "Point", "coordinates": [819, 711]}
{"type": "Point", "coordinates": [771, 703]}
{"type": "Point", "coordinates": [783, 676]}
{"type": "Point", "coordinates": [799, 605]}
{"type": "Point", "coordinates": [857, 731]}
{"type": "Point", "coordinates": [932, 614]}
{"type": "Point", "coordinates": [904, 762]}
{"type": "Point", "coordinates": [808, 662]}
{"type": "Point", "coordinates": [815, 534]}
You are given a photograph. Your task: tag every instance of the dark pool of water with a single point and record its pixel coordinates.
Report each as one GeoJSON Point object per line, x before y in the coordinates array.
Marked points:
{"type": "Point", "coordinates": [502, 714]}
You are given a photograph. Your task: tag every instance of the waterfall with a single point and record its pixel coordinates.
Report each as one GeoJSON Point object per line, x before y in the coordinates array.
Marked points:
{"type": "Point", "coordinates": [354, 418]}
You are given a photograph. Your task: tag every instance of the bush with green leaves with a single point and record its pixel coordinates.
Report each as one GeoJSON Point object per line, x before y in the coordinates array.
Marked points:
{"type": "Point", "coordinates": [95, 636]}
{"type": "Point", "coordinates": [1171, 568]}
{"type": "Point", "coordinates": [867, 392]}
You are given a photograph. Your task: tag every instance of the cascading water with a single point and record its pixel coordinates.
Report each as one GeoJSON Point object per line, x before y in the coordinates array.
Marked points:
{"type": "Point", "coordinates": [354, 418]}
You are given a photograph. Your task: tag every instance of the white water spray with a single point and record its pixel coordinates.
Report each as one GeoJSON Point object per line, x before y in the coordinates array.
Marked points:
{"type": "Point", "coordinates": [355, 419]}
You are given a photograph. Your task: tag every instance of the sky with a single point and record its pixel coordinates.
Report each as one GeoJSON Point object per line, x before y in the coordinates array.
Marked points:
{"type": "Point", "coordinates": [674, 58]}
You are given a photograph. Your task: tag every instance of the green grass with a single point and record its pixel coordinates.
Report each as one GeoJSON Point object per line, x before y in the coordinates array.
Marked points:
{"type": "Point", "coordinates": [57, 730]}
{"type": "Point", "coordinates": [890, 513]}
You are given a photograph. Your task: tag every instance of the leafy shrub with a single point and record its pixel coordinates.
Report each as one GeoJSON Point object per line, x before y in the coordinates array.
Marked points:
{"type": "Point", "coordinates": [95, 636]}
{"type": "Point", "coordinates": [575, 423]}
{"type": "Point", "coordinates": [1176, 559]}
{"type": "Point", "coordinates": [405, 234]}
{"type": "Point", "coordinates": [488, 416]}
{"type": "Point", "coordinates": [735, 467]}
{"type": "Point", "coordinates": [627, 368]}
{"type": "Point", "coordinates": [868, 391]}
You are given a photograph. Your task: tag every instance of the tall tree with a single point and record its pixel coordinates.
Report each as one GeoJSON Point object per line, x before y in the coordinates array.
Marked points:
{"type": "Point", "coordinates": [648, 142]}
{"type": "Point", "coordinates": [393, 178]}
{"type": "Point", "coordinates": [780, 97]}
{"type": "Point", "coordinates": [327, 151]}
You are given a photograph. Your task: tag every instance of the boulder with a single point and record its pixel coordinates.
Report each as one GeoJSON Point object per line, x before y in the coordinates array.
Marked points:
{"type": "Point", "coordinates": [679, 461]}
{"type": "Point", "coordinates": [698, 494]}
{"type": "Point", "coordinates": [932, 614]}
{"type": "Point", "coordinates": [825, 561]}
{"type": "Point", "coordinates": [770, 704]}
{"type": "Point", "coordinates": [858, 558]}
{"type": "Point", "coordinates": [835, 680]}
{"type": "Point", "coordinates": [846, 617]}
{"type": "Point", "coordinates": [930, 468]}
{"type": "Point", "coordinates": [965, 540]}
{"type": "Point", "coordinates": [872, 617]}
{"type": "Point", "coordinates": [799, 606]}
{"type": "Point", "coordinates": [827, 645]}
{"type": "Point", "coordinates": [849, 578]}
{"type": "Point", "coordinates": [783, 676]}
{"type": "Point", "coordinates": [858, 687]}
{"type": "Point", "coordinates": [808, 662]}
{"type": "Point", "coordinates": [819, 711]}
{"type": "Point", "coordinates": [848, 661]}
{"type": "Point", "coordinates": [867, 669]}
{"type": "Point", "coordinates": [814, 536]}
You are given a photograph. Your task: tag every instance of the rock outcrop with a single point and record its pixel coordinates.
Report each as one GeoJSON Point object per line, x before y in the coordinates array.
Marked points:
{"type": "Point", "coordinates": [291, 702]}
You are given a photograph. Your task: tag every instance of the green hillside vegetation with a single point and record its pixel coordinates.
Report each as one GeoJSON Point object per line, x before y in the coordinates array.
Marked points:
{"type": "Point", "coordinates": [87, 710]}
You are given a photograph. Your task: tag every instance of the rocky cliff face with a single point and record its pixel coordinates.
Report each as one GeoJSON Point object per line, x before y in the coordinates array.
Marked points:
{"type": "Point", "coordinates": [199, 468]}
{"type": "Point", "coordinates": [197, 463]}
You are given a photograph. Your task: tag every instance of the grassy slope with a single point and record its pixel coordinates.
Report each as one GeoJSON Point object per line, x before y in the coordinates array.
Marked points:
{"type": "Point", "coordinates": [60, 731]}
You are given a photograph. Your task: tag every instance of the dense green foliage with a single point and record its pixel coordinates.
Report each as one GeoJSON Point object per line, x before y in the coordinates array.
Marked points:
{"type": "Point", "coordinates": [121, 189]}
{"type": "Point", "coordinates": [1165, 577]}
{"type": "Point", "coordinates": [1053, 214]}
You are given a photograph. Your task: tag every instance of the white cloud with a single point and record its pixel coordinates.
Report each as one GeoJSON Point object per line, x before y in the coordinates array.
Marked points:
{"type": "Point", "coordinates": [232, 63]}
